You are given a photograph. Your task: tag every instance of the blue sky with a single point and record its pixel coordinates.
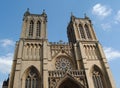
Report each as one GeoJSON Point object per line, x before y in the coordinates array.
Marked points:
{"type": "Point", "coordinates": [105, 16]}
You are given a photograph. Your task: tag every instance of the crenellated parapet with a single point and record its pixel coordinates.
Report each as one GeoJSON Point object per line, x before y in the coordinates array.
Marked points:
{"type": "Point", "coordinates": [63, 47]}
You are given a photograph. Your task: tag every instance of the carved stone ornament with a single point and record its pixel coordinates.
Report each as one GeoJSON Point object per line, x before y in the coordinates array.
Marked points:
{"type": "Point", "coordinates": [63, 63]}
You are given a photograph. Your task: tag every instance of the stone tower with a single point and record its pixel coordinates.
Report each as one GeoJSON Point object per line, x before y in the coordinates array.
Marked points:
{"type": "Point", "coordinates": [37, 63]}
{"type": "Point", "coordinates": [89, 54]}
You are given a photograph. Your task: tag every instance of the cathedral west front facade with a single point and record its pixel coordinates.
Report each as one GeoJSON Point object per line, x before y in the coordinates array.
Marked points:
{"type": "Point", "coordinates": [38, 63]}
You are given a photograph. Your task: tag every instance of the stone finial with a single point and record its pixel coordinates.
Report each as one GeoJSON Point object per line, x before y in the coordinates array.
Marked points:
{"type": "Point", "coordinates": [27, 9]}
{"type": "Point", "coordinates": [44, 13]}
{"type": "Point", "coordinates": [43, 10]}
{"type": "Point", "coordinates": [27, 12]}
{"type": "Point", "coordinates": [71, 14]}
{"type": "Point", "coordinates": [86, 17]}
{"type": "Point", "coordinates": [72, 17]}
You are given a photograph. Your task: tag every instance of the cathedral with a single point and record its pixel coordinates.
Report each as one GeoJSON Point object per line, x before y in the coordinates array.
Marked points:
{"type": "Point", "coordinates": [38, 63]}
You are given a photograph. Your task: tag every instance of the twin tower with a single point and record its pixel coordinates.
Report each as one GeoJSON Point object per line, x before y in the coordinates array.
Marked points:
{"type": "Point", "coordinates": [37, 63]}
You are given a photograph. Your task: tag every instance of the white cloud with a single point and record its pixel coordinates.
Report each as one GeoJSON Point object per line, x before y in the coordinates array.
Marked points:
{"type": "Point", "coordinates": [0, 84]}
{"type": "Point", "coordinates": [106, 26]}
{"type": "Point", "coordinates": [5, 63]}
{"type": "Point", "coordinates": [117, 17]}
{"type": "Point", "coordinates": [7, 42]}
{"type": "Point", "coordinates": [111, 53]}
{"type": "Point", "coordinates": [101, 10]}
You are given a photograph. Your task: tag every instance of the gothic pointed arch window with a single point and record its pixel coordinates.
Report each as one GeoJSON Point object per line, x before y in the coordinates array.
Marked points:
{"type": "Point", "coordinates": [97, 77]}
{"type": "Point", "coordinates": [87, 31]}
{"type": "Point", "coordinates": [31, 26]}
{"type": "Point", "coordinates": [32, 79]}
{"type": "Point", "coordinates": [81, 31]}
{"type": "Point", "coordinates": [38, 29]}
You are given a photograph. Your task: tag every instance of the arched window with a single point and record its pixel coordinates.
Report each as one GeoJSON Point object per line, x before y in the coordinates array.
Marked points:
{"type": "Point", "coordinates": [38, 29]}
{"type": "Point", "coordinates": [31, 29]}
{"type": "Point", "coordinates": [81, 31]}
{"type": "Point", "coordinates": [87, 31]}
{"type": "Point", "coordinates": [97, 78]}
{"type": "Point", "coordinates": [32, 79]}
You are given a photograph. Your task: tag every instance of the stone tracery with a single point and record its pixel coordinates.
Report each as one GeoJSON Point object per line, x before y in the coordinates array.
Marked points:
{"type": "Point", "coordinates": [32, 78]}
{"type": "Point", "coordinates": [63, 63]}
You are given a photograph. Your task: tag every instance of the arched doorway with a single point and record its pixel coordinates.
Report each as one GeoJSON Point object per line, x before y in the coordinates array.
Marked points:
{"type": "Point", "coordinates": [69, 82]}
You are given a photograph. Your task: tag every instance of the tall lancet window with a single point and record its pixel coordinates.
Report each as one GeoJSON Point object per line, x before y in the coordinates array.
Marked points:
{"type": "Point", "coordinates": [87, 32]}
{"type": "Point", "coordinates": [97, 78]}
{"type": "Point", "coordinates": [38, 29]}
{"type": "Point", "coordinates": [32, 80]}
{"type": "Point", "coordinates": [31, 29]}
{"type": "Point", "coordinates": [82, 31]}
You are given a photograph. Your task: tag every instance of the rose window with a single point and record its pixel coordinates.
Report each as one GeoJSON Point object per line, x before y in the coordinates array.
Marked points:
{"type": "Point", "coordinates": [63, 64]}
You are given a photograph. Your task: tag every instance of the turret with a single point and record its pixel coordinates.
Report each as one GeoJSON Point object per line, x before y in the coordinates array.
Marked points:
{"type": "Point", "coordinates": [80, 29]}
{"type": "Point", "coordinates": [34, 25]}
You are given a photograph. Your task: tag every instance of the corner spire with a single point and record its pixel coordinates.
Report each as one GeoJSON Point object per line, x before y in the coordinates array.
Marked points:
{"type": "Point", "coordinates": [86, 17]}
{"type": "Point", "coordinates": [72, 17]}
{"type": "Point", "coordinates": [84, 14]}
{"type": "Point", "coordinates": [44, 13]}
{"type": "Point", "coordinates": [27, 9]}
{"type": "Point", "coordinates": [27, 12]}
{"type": "Point", "coordinates": [43, 10]}
{"type": "Point", "coordinates": [71, 14]}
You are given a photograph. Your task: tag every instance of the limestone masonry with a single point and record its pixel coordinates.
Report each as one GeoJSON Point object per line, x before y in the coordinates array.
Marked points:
{"type": "Point", "coordinates": [37, 63]}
